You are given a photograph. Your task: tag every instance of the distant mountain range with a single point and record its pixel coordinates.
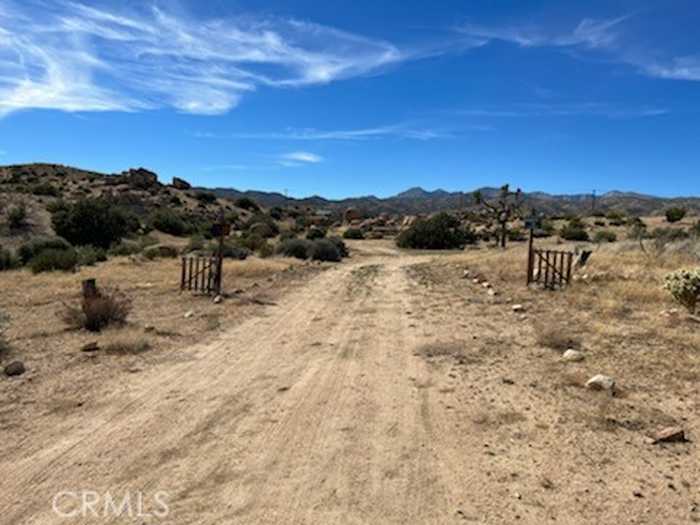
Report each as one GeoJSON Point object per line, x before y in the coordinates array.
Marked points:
{"type": "Point", "coordinates": [418, 200]}
{"type": "Point", "coordinates": [410, 202]}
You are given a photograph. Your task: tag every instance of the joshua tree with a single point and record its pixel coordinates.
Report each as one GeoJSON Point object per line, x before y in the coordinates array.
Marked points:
{"type": "Point", "coordinates": [503, 209]}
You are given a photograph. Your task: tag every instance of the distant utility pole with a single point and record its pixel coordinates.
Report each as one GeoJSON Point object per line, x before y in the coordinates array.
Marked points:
{"type": "Point", "coordinates": [593, 202]}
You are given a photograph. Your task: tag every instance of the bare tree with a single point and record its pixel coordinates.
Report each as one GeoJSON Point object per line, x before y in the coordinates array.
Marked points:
{"type": "Point", "coordinates": [504, 208]}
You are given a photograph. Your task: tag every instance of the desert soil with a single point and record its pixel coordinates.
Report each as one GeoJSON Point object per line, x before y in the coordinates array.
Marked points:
{"type": "Point", "coordinates": [371, 394]}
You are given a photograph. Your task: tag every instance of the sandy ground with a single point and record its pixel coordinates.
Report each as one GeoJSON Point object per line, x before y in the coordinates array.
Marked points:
{"type": "Point", "coordinates": [371, 394]}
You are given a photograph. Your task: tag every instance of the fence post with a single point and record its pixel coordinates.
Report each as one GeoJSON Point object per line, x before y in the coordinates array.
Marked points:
{"type": "Point", "coordinates": [529, 257]}
{"type": "Point", "coordinates": [89, 288]}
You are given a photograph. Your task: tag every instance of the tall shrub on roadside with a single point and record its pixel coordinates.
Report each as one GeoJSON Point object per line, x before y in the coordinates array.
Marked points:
{"type": "Point", "coordinates": [93, 222]}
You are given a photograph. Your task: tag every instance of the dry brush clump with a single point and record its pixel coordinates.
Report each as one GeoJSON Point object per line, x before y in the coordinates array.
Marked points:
{"type": "Point", "coordinates": [684, 287]}
{"type": "Point", "coordinates": [94, 313]}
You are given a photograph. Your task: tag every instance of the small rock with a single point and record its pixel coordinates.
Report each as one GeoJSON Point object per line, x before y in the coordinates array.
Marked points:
{"type": "Point", "coordinates": [16, 368]}
{"type": "Point", "coordinates": [600, 382]}
{"type": "Point", "coordinates": [218, 299]}
{"type": "Point", "coordinates": [637, 494]}
{"type": "Point", "coordinates": [90, 347]}
{"type": "Point", "coordinates": [486, 284]}
{"type": "Point", "coordinates": [518, 308]}
{"type": "Point", "coordinates": [149, 328]}
{"type": "Point", "coordinates": [670, 435]}
{"type": "Point", "coordinates": [572, 355]}
{"type": "Point", "coordinates": [475, 280]}
{"type": "Point", "coordinates": [492, 293]}
{"type": "Point", "coordinates": [189, 314]}
{"type": "Point", "coordinates": [466, 274]}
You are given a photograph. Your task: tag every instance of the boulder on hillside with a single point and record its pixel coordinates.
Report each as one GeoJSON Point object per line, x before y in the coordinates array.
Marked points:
{"type": "Point", "coordinates": [140, 178]}
{"type": "Point", "coordinates": [180, 184]}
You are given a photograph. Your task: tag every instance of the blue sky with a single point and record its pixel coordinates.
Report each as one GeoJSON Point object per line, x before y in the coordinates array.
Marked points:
{"type": "Point", "coordinates": [365, 97]}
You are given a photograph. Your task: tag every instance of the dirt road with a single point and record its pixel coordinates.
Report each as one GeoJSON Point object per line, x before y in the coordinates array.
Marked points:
{"type": "Point", "coordinates": [363, 398]}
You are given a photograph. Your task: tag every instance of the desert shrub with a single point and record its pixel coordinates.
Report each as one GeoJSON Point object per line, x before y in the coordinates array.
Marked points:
{"type": "Point", "coordinates": [128, 346]}
{"type": "Point", "coordinates": [340, 246]}
{"type": "Point", "coordinates": [161, 251]}
{"type": "Point", "coordinates": [440, 232]}
{"type": "Point", "coordinates": [17, 217]}
{"type": "Point", "coordinates": [315, 233]}
{"type": "Point", "coordinates": [175, 200]}
{"type": "Point", "coordinates": [195, 244]}
{"type": "Point", "coordinates": [169, 221]}
{"type": "Point", "coordinates": [574, 230]}
{"type": "Point", "coordinates": [604, 236]}
{"type": "Point", "coordinates": [8, 260]}
{"type": "Point", "coordinates": [52, 260]}
{"type": "Point", "coordinates": [93, 221]}
{"type": "Point", "coordinates": [46, 189]}
{"type": "Point", "coordinates": [263, 230]}
{"type": "Point", "coordinates": [287, 234]}
{"type": "Point", "coordinates": [205, 197]}
{"type": "Point", "coordinates": [684, 287]}
{"type": "Point", "coordinates": [266, 250]}
{"type": "Point", "coordinates": [675, 214]}
{"type": "Point", "coordinates": [325, 250]}
{"type": "Point", "coordinates": [669, 234]}
{"type": "Point", "coordinates": [251, 241]}
{"type": "Point", "coordinates": [108, 307]}
{"type": "Point", "coordinates": [297, 248]}
{"type": "Point", "coordinates": [516, 235]}
{"type": "Point", "coordinates": [353, 233]}
{"type": "Point", "coordinates": [231, 251]}
{"type": "Point", "coordinates": [90, 256]}
{"type": "Point", "coordinates": [546, 229]}
{"type": "Point", "coordinates": [30, 249]}
{"type": "Point", "coordinates": [247, 203]}
{"type": "Point", "coordinates": [126, 247]}
{"type": "Point", "coordinates": [600, 223]}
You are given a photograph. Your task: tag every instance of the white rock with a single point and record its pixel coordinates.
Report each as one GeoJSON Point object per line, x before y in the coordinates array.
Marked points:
{"type": "Point", "coordinates": [573, 355]}
{"type": "Point", "coordinates": [218, 299]}
{"type": "Point", "coordinates": [466, 274]}
{"type": "Point", "coordinates": [475, 280]}
{"type": "Point", "coordinates": [189, 314]}
{"type": "Point", "coordinates": [601, 382]}
{"type": "Point", "coordinates": [486, 285]}
{"type": "Point", "coordinates": [493, 293]}
{"type": "Point", "coordinates": [518, 308]}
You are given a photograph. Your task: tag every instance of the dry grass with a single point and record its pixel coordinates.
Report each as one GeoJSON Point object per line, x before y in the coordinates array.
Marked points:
{"type": "Point", "coordinates": [122, 345]}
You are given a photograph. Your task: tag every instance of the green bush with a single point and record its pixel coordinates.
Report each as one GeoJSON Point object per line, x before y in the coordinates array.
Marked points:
{"type": "Point", "coordinates": [675, 214]}
{"type": "Point", "coordinates": [161, 251]}
{"type": "Point", "coordinates": [517, 235]}
{"type": "Point", "coordinates": [669, 234]}
{"type": "Point", "coordinates": [325, 250]}
{"type": "Point", "coordinates": [266, 250]}
{"type": "Point", "coordinates": [353, 233]}
{"type": "Point", "coordinates": [247, 203]}
{"type": "Point", "coordinates": [684, 287]}
{"type": "Point", "coordinates": [231, 251]}
{"type": "Point", "coordinates": [195, 244]}
{"type": "Point", "coordinates": [574, 230]}
{"type": "Point", "coordinates": [287, 234]}
{"type": "Point", "coordinates": [297, 248]}
{"type": "Point", "coordinates": [90, 256]}
{"type": "Point", "coordinates": [51, 260]}
{"type": "Point", "coordinates": [315, 233]}
{"type": "Point", "coordinates": [17, 217]}
{"type": "Point", "coordinates": [169, 221]}
{"type": "Point", "coordinates": [8, 260]}
{"type": "Point", "coordinates": [440, 232]}
{"type": "Point", "coordinates": [92, 221]}
{"type": "Point", "coordinates": [46, 189]}
{"type": "Point", "coordinates": [251, 241]}
{"type": "Point", "coordinates": [604, 236]}
{"type": "Point", "coordinates": [205, 197]}
{"type": "Point", "coordinates": [30, 249]}
{"type": "Point", "coordinates": [340, 246]}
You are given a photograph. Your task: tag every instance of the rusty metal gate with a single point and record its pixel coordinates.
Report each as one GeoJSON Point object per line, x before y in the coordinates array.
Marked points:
{"type": "Point", "coordinates": [549, 268]}
{"type": "Point", "coordinates": [201, 274]}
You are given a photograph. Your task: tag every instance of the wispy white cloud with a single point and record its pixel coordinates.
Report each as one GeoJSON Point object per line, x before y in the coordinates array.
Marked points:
{"type": "Point", "coordinates": [590, 33]}
{"type": "Point", "coordinates": [564, 110]}
{"type": "Point", "coordinates": [75, 57]}
{"type": "Point", "coordinates": [403, 131]}
{"type": "Point", "coordinates": [682, 68]}
{"type": "Point", "coordinates": [302, 156]}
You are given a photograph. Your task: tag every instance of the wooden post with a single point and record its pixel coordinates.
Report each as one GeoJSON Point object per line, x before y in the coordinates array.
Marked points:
{"type": "Point", "coordinates": [183, 273]}
{"type": "Point", "coordinates": [90, 288]}
{"type": "Point", "coordinates": [529, 256]}
{"type": "Point", "coordinates": [546, 269]}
